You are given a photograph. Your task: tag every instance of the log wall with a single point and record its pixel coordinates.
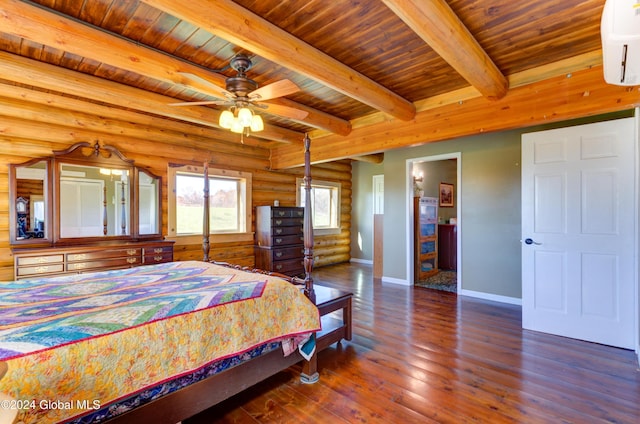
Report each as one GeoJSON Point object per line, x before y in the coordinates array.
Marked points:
{"type": "Point", "coordinates": [30, 129]}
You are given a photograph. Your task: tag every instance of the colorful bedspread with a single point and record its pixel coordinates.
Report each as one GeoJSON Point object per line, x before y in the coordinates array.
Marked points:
{"type": "Point", "coordinates": [77, 343]}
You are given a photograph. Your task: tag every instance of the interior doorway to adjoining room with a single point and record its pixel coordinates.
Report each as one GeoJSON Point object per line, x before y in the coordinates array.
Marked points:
{"type": "Point", "coordinates": [433, 252]}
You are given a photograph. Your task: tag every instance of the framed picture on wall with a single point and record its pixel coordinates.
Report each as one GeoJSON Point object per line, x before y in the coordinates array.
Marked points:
{"type": "Point", "coordinates": [446, 195]}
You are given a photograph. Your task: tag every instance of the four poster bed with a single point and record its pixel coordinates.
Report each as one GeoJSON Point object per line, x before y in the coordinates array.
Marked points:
{"type": "Point", "coordinates": [156, 343]}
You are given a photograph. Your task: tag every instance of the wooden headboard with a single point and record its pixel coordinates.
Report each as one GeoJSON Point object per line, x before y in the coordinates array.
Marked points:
{"type": "Point", "coordinates": [307, 228]}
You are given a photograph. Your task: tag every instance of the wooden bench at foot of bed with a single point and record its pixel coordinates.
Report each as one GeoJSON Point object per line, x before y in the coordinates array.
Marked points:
{"type": "Point", "coordinates": [334, 328]}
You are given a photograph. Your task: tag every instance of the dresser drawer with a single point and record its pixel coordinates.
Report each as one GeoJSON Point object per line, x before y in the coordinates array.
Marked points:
{"type": "Point", "coordinates": [286, 231]}
{"type": "Point", "coordinates": [287, 222]}
{"type": "Point", "coordinates": [287, 240]}
{"type": "Point", "coordinates": [104, 254]}
{"type": "Point", "coordinates": [290, 267]}
{"type": "Point", "coordinates": [42, 269]}
{"type": "Point", "coordinates": [158, 250]}
{"type": "Point", "coordinates": [288, 253]}
{"type": "Point", "coordinates": [157, 258]}
{"type": "Point", "coordinates": [108, 263]}
{"type": "Point", "coordinates": [283, 212]}
{"type": "Point", "coordinates": [39, 260]}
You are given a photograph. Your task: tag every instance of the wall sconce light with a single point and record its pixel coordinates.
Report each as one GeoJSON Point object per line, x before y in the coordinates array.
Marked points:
{"type": "Point", "coordinates": [417, 178]}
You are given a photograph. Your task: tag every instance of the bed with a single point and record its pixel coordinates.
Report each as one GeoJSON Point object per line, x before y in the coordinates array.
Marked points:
{"type": "Point", "coordinates": [154, 343]}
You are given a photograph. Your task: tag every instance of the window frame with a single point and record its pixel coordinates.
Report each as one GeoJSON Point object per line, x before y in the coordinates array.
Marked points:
{"type": "Point", "coordinates": [335, 228]}
{"type": "Point", "coordinates": [245, 178]}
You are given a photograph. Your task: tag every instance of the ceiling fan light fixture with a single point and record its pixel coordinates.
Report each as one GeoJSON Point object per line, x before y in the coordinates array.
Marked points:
{"type": "Point", "coordinates": [244, 116]}
{"type": "Point", "coordinates": [237, 126]}
{"type": "Point", "coordinates": [226, 119]}
{"type": "Point", "coordinates": [256, 123]}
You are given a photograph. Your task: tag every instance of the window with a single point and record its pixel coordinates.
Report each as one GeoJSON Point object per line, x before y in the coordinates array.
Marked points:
{"type": "Point", "coordinates": [229, 201]}
{"type": "Point", "coordinates": [325, 205]}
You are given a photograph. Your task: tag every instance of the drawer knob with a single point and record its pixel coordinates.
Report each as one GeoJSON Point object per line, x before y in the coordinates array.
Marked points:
{"type": "Point", "coordinates": [278, 240]}
{"type": "Point", "coordinates": [132, 260]}
{"type": "Point", "coordinates": [157, 250]}
{"type": "Point", "coordinates": [157, 258]}
{"type": "Point", "coordinates": [131, 252]}
{"type": "Point", "coordinates": [278, 231]}
{"type": "Point", "coordinates": [281, 213]}
{"type": "Point", "coordinates": [278, 267]}
{"type": "Point", "coordinates": [278, 222]}
{"type": "Point", "coordinates": [278, 254]}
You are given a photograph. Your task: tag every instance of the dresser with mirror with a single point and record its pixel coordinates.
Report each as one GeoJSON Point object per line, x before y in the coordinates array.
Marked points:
{"type": "Point", "coordinates": [85, 208]}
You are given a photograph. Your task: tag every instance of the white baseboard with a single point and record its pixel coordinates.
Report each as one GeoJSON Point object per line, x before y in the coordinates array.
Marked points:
{"type": "Point", "coordinates": [399, 281]}
{"type": "Point", "coordinates": [361, 261]}
{"type": "Point", "coordinates": [493, 297]}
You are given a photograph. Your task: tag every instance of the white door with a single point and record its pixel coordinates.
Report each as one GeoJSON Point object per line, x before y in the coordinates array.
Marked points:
{"type": "Point", "coordinates": [578, 232]}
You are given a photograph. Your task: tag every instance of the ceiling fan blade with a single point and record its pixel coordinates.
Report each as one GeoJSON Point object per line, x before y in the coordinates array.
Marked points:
{"type": "Point", "coordinates": [285, 111]}
{"type": "Point", "coordinates": [208, 102]}
{"type": "Point", "coordinates": [202, 84]}
{"type": "Point", "coordinates": [276, 89]}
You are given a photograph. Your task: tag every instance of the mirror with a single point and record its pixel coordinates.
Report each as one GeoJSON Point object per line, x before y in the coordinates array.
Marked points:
{"type": "Point", "coordinates": [94, 201]}
{"type": "Point", "coordinates": [86, 193]}
{"type": "Point", "coordinates": [149, 196]}
{"type": "Point", "coordinates": [29, 214]}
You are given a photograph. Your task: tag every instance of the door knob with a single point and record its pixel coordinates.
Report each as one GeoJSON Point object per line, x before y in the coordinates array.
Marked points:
{"type": "Point", "coordinates": [530, 241]}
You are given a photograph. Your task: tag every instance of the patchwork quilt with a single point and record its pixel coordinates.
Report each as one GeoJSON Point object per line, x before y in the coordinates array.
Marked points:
{"type": "Point", "coordinates": [74, 344]}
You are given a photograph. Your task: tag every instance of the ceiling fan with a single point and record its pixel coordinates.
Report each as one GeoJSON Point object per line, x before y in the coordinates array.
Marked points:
{"type": "Point", "coordinates": [242, 96]}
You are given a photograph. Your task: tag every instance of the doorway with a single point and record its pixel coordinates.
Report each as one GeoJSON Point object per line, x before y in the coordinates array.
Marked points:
{"type": "Point", "coordinates": [436, 177]}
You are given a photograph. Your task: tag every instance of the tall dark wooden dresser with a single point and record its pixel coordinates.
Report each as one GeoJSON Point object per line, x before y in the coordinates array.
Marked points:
{"type": "Point", "coordinates": [279, 239]}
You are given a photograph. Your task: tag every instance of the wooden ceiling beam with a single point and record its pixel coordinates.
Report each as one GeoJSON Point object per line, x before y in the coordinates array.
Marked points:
{"type": "Point", "coordinates": [240, 26]}
{"type": "Point", "coordinates": [49, 77]}
{"type": "Point", "coordinates": [580, 94]}
{"type": "Point", "coordinates": [529, 76]}
{"type": "Point", "coordinates": [320, 119]}
{"type": "Point", "coordinates": [376, 158]}
{"type": "Point", "coordinates": [440, 27]}
{"type": "Point", "coordinates": [55, 30]}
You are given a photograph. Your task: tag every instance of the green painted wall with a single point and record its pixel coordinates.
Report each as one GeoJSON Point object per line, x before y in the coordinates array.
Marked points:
{"type": "Point", "coordinates": [362, 209]}
{"type": "Point", "coordinates": [489, 213]}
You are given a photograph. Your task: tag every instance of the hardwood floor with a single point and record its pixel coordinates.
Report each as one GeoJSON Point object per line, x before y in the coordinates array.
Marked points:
{"type": "Point", "coordinates": [420, 356]}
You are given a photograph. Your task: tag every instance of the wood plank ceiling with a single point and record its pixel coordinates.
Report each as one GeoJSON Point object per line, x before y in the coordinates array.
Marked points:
{"type": "Point", "coordinates": [362, 66]}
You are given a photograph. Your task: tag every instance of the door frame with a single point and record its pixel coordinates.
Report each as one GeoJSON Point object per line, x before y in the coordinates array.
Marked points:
{"type": "Point", "coordinates": [637, 230]}
{"type": "Point", "coordinates": [410, 271]}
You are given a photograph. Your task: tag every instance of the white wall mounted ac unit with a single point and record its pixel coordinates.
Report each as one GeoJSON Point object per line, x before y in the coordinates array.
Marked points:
{"type": "Point", "coordinates": [620, 32]}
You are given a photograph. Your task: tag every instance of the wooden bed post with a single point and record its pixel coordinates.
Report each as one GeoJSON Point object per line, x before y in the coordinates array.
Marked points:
{"type": "Point", "coordinates": [308, 223]}
{"type": "Point", "coordinates": [309, 373]}
{"type": "Point", "coordinates": [205, 217]}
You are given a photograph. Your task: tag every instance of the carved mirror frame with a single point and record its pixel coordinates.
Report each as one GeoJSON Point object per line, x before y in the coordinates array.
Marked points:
{"type": "Point", "coordinates": [37, 174]}
{"type": "Point", "coordinates": [125, 207]}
